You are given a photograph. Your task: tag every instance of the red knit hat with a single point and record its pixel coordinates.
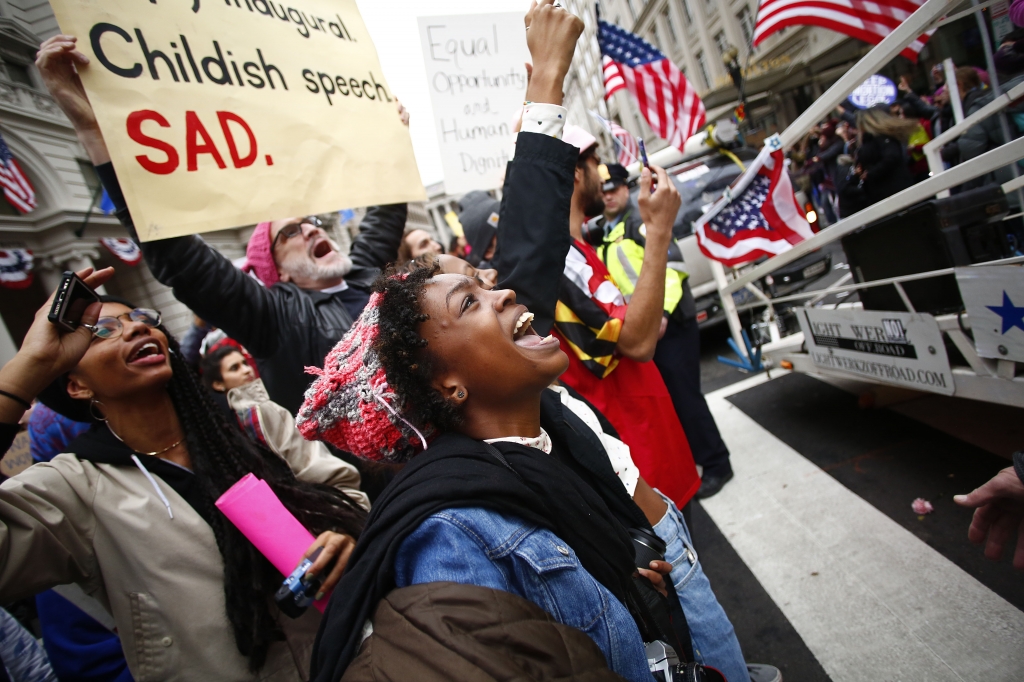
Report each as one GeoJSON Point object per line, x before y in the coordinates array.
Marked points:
{"type": "Point", "coordinates": [259, 259]}
{"type": "Point", "coordinates": [351, 405]}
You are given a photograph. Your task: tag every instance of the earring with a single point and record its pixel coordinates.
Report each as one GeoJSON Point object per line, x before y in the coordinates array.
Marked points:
{"type": "Point", "coordinates": [92, 411]}
{"type": "Point", "coordinates": [462, 394]}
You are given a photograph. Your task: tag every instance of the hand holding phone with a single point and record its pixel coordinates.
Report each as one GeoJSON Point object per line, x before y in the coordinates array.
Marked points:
{"type": "Point", "coordinates": [647, 164]}
{"type": "Point", "coordinates": [73, 296]}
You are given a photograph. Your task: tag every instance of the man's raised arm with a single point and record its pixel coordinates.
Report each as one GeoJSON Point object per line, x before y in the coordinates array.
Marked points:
{"type": "Point", "coordinates": [533, 231]}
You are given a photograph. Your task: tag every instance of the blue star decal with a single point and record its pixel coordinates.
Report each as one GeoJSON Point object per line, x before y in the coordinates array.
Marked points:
{"type": "Point", "coordinates": [1013, 316]}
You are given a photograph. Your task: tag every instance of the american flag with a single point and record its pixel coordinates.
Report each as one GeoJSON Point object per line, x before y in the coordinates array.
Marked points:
{"type": "Point", "coordinates": [17, 189]}
{"type": "Point", "coordinates": [667, 100]}
{"type": "Point", "coordinates": [867, 21]}
{"type": "Point", "coordinates": [758, 215]}
{"type": "Point", "coordinates": [624, 140]}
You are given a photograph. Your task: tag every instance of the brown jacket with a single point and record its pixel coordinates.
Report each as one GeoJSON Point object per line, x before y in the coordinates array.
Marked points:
{"type": "Point", "coordinates": [161, 579]}
{"type": "Point", "coordinates": [447, 632]}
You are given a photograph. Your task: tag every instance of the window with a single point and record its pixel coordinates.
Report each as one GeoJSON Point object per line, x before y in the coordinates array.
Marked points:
{"type": "Point", "coordinates": [669, 25]}
{"type": "Point", "coordinates": [702, 66]}
{"type": "Point", "coordinates": [721, 42]}
{"type": "Point", "coordinates": [686, 12]}
{"type": "Point", "coordinates": [18, 73]}
{"type": "Point", "coordinates": [747, 23]}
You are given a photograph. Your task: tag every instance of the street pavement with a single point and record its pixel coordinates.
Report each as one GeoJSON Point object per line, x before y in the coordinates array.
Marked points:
{"type": "Point", "coordinates": [814, 551]}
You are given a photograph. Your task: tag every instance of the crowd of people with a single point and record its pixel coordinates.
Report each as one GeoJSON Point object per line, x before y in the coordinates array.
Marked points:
{"type": "Point", "coordinates": [859, 157]}
{"type": "Point", "coordinates": [495, 452]}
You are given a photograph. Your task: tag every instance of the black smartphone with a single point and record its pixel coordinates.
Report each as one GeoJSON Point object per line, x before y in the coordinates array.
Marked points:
{"type": "Point", "coordinates": [647, 165]}
{"type": "Point", "coordinates": [73, 297]}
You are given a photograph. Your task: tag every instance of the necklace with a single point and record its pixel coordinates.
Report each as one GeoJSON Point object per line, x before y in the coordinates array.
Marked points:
{"type": "Point", "coordinates": [150, 454]}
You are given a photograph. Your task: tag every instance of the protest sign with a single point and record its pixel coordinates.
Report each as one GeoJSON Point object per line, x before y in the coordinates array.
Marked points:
{"type": "Point", "coordinates": [226, 113]}
{"type": "Point", "coordinates": [476, 75]}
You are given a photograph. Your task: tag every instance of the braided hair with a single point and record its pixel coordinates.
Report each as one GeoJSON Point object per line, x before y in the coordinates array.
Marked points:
{"type": "Point", "coordinates": [409, 368]}
{"type": "Point", "coordinates": [222, 454]}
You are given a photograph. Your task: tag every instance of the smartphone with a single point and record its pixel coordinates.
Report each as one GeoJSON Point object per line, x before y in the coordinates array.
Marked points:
{"type": "Point", "coordinates": [73, 297]}
{"type": "Point", "coordinates": [297, 591]}
{"type": "Point", "coordinates": [647, 165]}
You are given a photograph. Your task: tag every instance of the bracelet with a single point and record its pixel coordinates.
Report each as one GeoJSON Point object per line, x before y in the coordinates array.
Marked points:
{"type": "Point", "coordinates": [21, 401]}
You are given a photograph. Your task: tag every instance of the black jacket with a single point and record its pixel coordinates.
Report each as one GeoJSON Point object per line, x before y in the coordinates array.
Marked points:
{"type": "Point", "coordinates": [533, 232]}
{"type": "Point", "coordinates": [884, 160]}
{"type": "Point", "coordinates": [284, 327]}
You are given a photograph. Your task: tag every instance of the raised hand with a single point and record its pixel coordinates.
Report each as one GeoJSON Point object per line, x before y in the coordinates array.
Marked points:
{"type": "Point", "coordinates": [58, 61]}
{"type": "Point", "coordinates": [658, 210]}
{"type": "Point", "coordinates": [47, 352]}
{"type": "Point", "coordinates": [551, 35]}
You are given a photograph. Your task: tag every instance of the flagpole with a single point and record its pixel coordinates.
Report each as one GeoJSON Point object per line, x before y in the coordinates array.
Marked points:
{"type": "Point", "coordinates": [95, 197]}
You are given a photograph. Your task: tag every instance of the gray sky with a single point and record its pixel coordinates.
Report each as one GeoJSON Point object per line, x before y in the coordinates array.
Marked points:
{"type": "Point", "coordinates": [393, 27]}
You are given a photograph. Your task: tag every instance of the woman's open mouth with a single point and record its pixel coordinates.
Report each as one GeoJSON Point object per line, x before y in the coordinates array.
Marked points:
{"type": "Point", "coordinates": [524, 335]}
{"type": "Point", "coordinates": [148, 353]}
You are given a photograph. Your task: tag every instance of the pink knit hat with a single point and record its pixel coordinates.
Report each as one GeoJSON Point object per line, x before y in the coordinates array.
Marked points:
{"type": "Point", "coordinates": [351, 405]}
{"type": "Point", "coordinates": [259, 259]}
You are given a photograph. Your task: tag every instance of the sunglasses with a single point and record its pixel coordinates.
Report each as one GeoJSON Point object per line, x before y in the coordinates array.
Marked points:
{"type": "Point", "coordinates": [111, 327]}
{"type": "Point", "coordinates": [295, 229]}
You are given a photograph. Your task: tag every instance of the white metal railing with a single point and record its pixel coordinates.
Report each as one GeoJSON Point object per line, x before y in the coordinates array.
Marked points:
{"type": "Point", "coordinates": [986, 163]}
{"type": "Point", "coordinates": [933, 150]}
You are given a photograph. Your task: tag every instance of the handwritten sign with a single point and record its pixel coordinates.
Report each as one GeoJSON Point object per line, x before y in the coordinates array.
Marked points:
{"type": "Point", "coordinates": [226, 113]}
{"type": "Point", "coordinates": [476, 74]}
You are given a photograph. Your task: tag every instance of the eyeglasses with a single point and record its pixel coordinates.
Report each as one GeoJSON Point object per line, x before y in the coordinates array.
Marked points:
{"type": "Point", "coordinates": [111, 327]}
{"type": "Point", "coordinates": [294, 229]}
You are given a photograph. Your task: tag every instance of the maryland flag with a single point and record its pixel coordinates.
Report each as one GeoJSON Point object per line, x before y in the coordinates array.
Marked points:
{"type": "Point", "coordinates": [590, 310]}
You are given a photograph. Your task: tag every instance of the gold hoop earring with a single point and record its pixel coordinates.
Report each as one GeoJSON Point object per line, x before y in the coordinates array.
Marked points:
{"type": "Point", "coordinates": [92, 411]}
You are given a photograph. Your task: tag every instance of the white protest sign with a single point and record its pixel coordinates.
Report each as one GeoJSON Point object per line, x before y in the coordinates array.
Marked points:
{"type": "Point", "coordinates": [994, 298]}
{"type": "Point", "coordinates": [476, 75]}
{"type": "Point", "coordinates": [898, 348]}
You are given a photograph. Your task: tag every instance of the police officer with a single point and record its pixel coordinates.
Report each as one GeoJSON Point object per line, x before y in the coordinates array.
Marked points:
{"type": "Point", "coordinates": [620, 239]}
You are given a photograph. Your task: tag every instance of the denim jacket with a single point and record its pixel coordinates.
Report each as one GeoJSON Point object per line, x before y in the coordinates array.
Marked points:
{"type": "Point", "coordinates": [482, 547]}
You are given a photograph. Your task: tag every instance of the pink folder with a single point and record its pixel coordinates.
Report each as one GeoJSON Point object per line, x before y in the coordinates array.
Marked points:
{"type": "Point", "coordinates": [256, 511]}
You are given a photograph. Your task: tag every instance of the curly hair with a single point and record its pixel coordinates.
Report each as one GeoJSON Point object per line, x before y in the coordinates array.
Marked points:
{"type": "Point", "coordinates": [403, 352]}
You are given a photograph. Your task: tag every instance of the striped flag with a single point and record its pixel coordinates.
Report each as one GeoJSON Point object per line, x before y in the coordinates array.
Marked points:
{"type": "Point", "coordinates": [667, 100]}
{"type": "Point", "coordinates": [867, 21]}
{"type": "Point", "coordinates": [758, 215]}
{"type": "Point", "coordinates": [17, 189]}
{"type": "Point", "coordinates": [624, 140]}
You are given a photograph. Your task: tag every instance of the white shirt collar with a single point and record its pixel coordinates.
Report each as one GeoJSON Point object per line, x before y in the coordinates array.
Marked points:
{"type": "Point", "coordinates": [336, 288]}
{"type": "Point", "coordinates": [541, 442]}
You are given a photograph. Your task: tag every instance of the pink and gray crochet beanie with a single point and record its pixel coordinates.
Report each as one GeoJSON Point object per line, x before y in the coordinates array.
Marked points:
{"type": "Point", "coordinates": [351, 405]}
{"type": "Point", "coordinates": [259, 259]}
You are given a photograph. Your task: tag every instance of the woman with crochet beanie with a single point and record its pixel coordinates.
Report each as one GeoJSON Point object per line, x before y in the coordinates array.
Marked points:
{"type": "Point", "coordinates": [503, 550]}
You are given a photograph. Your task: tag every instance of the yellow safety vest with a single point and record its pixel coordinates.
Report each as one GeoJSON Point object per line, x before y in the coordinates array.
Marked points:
{"type": "Point", "coordinates": [624, 259]}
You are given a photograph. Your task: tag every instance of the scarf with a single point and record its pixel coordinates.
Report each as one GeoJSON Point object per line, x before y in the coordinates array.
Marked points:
{"type": "Point", "coordinates": [457, 471]}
